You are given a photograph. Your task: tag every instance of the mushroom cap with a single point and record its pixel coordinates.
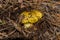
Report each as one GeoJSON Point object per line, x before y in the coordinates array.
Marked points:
{"type": "Point", "coordinates": [31, 17]}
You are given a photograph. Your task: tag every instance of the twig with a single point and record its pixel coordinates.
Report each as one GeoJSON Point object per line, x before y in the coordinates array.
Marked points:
{"type": "Point", "coordinates": [16, 25]}
{"type": "Point", "coordinates": [3, 34]}
{"type": "Point", "coordinates": [4, 28]}
{"type": "Point", "coordinates": [6, 9]}
{"type": "Point", "coordinates": [11, 32]}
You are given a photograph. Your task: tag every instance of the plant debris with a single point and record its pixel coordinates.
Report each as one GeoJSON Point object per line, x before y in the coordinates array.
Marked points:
{"type": "Point", "coordinates": [48, 28]}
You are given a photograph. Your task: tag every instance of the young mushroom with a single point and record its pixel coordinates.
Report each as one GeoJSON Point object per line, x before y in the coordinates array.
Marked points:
{"type": "Point", "coordinates": [30, 17]}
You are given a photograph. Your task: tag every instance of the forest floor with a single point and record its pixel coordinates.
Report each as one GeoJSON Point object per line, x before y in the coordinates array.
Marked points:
{"type": "Point", "coordinates": [48, 27]}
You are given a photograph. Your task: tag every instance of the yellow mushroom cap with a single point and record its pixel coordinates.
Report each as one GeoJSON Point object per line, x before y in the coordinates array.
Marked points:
{"type": "Point", "coordinates": [31, 17]}
{"type": "Point", "coordinates": [38, 13]}
{"type": "Point", "coordinates": [32, 20]}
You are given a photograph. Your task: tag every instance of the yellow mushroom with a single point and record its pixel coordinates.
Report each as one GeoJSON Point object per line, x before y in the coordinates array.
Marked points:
{"type": "Point", "coordinates": [32, 20]}
{"type": "Point", "coordinates": [28, 25]}
{"type": "Point", "coordinates": [31, 17]}
{"type": "Point", "coordinates": [25, 20]}
{"type": "Point", "coordinates": [38, 14]}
